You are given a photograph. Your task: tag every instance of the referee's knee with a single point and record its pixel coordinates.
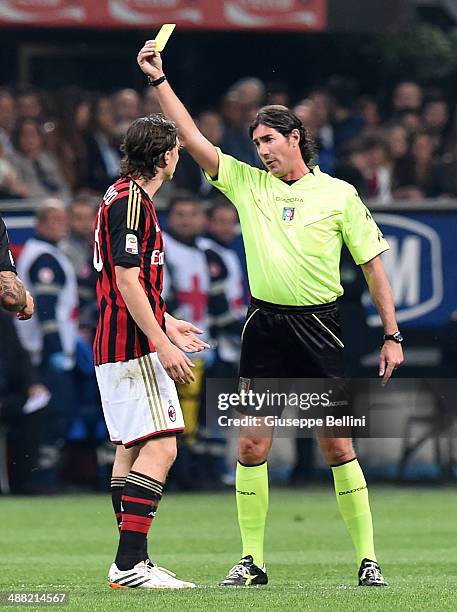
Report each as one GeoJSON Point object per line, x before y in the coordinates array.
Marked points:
{"type": "Point", "coordinates": [253, 451]}
{"type": "Point", "coordinates": [337, 450]}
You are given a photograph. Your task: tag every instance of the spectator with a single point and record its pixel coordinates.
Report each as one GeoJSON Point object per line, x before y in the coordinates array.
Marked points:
{"type": "Point", "coordinates": [127, 107]}
{"type": "Point", "coordinates": [7, 119]}
{"type": "Point", "coordinates": [407, 96]}
{"type": "Point", "coordinates": [446, 173]}
{"type": "Point", "coordinates": [29, 105]}
{"type": "Point", "coordinates": [379, 168]}
{"type": "Point", "coordinates": [278, 93]}
{"type": "Point", "coordinates": [78, 246]}
{"type": "Point", "coordinates": [251, 91]}
{"type": "Point", "coordinates": [411, 121]}
{"type": "Point", "coordinates": [71, 135]}
{"type": "Point", "coordinates": [103, 154]}
{"type": "Point", "coordinates": [436, 122]}
{"type": "Point", "coordinates": [347, 122]}
{"type": "Point", "coordinates": [10, 184]}
{"type": "Point", "coordinates": [398, 142]}
{"type": "Point", "coordinates": [236, 139]}
{"type": "Point", "coordinates": [369, 111]}
{"type": "Point", "coordinates": [322, 129]}
{"type": "Point", "coordinates": [50, 336]}
{"type": "Point", "coordinates": [37, 168]}
{"type": "Point", "coordinates": [226, 307]}
{"type": "Point", "coordinates": [150, 104]}
{"type": "Point", "coordinates": [186, 291]}
{"type": "Point", "coordinates": [353, 168]}
{"type": "Point", "coordinates": [416, 174]}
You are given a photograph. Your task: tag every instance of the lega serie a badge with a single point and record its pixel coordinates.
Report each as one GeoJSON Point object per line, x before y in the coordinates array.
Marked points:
{"type": "Point", "coordinates": [288, 214]}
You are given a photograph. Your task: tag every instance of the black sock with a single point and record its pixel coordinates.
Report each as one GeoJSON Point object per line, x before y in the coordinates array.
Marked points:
{"type": "Point", "coordinates": [140, 497]}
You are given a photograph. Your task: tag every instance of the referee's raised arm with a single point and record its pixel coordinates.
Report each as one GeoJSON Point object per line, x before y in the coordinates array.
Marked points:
{"type": "Point", "coordinates": [199, 147]}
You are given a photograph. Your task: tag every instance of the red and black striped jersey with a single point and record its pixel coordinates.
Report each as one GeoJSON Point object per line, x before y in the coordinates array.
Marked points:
{"type": "Point", "coordinates": [127, 233]}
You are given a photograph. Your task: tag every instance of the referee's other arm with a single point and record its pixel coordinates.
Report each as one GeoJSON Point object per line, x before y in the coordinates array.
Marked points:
{"type": "Point", "coordinates": [391, 356]}
{"type": "Point", "coordinates": [191, 138]}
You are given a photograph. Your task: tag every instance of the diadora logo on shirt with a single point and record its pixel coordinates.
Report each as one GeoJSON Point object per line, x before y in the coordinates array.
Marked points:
{"type": "Point", "coordinates": [414, 266]}
{"type": "Point", "coordinates": [157, 258]}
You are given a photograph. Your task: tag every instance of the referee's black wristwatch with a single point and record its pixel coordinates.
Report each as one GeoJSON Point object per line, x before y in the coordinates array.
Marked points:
{"type": "Point", "coordinates": [396, 337]}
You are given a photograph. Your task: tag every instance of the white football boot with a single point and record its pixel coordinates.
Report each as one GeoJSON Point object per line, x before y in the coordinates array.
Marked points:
{"type": "Point", "coordinates": [145, 575]}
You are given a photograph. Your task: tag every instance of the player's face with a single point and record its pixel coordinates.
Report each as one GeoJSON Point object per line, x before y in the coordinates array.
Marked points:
{"type": "Point", "coordinates": [171, 159]}
{"type": "Point", "coordinates": [278, 153]}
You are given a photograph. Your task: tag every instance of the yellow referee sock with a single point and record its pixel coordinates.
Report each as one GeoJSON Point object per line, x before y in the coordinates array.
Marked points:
{"type": "Point", "coordinates": [252, 504]}
{"type": "Point", "coordinates": [352, 496]}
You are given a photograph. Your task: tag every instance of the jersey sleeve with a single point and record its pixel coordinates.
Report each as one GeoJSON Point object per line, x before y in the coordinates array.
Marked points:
{"type": "Point", "coordinates": [361, 235]}
{"type": "Point", "coordinates": [6, 259]}
{"type": "Point", "coordinates": [124, 223]}
{"type": "Point", "coordinates": [232, 177]}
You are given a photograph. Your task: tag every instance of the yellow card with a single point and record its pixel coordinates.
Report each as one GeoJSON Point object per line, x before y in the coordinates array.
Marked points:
{"type": "Point", "coordinates": [164, 34]}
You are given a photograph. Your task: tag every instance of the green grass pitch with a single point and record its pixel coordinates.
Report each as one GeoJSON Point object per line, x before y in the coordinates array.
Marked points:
{"type": "Point", "coordinates": [67, 544]}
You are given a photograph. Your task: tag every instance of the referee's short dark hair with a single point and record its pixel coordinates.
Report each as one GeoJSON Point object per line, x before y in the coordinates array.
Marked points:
{"type": "Point", "coordinates": [285, 121]}
{"type": "Point", "coordinates": [144, 145]}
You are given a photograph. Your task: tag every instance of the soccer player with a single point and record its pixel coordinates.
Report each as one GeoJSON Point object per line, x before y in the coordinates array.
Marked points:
{"type": "Point", "coordinates": [138, 348]}
{"type": "Point", "coordinates": [13, 295]}
{"type": "Point", "coordinates": [294, 219]}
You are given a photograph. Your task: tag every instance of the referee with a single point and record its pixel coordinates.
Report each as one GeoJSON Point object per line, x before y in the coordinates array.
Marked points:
{"type": "Point", "coordinates": [13, 296]}
{"type": "Point", "coordinates": [294, 221]}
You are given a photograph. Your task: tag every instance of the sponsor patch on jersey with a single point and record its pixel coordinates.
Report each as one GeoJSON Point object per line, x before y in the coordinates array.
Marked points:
{"type": "Point", "coordinates": [46, 276]}
{"type": "Point", "coordinates": [288, 214]}
{"type": "Point", "coordinates": [131, 244]}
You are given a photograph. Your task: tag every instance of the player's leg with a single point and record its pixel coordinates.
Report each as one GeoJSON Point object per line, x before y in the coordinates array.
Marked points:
{"type": "Point", "coordinates": [142, 411]}
{"type": "Point", "coordinates": [352, 497]}
{"type": "Point", "coordinates": [252, 506]}
{"type": "Point", "coordinates": [141, 496]}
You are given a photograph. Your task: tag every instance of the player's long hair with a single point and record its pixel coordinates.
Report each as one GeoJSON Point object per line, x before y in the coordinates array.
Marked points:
{"type": "Point", "coordinates": [144, 145]}
{"type": "Point", "coordinates": [283, 120]}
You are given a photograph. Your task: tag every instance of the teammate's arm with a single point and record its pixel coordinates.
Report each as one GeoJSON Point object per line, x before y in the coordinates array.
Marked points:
{"type": "Point", "coordinates": [13, 296]}
{"type": "Point", "coordinates": [199, 147]}
{"type": "Point", "coordinates": [378, 284]}
{"type": "Point", "coordinates": [175, 363]}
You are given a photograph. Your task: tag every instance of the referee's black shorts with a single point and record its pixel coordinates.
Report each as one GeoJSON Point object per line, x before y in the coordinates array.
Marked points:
{"type": "Point", "coordinates": [291, 342]}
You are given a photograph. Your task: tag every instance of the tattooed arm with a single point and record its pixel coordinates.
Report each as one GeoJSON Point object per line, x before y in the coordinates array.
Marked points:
{"type": "Point", "coordinates": [14, 297]}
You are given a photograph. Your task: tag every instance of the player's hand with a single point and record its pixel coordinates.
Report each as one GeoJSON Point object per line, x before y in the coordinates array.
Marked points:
{"type": "Point", "coordinates": [28, 310]}
{"type": "Point", "coordinates": [176, 364]}
{"type": "Point", "coordinates": [390, 359]}
{"type": "Point", "coordinates": [149, 60]}
{"type": "Point", "coordinates": [182, 334]}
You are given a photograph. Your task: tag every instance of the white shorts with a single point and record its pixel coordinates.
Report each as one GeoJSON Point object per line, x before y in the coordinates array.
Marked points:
{"type": "Point", "coordinates": [139, 400]}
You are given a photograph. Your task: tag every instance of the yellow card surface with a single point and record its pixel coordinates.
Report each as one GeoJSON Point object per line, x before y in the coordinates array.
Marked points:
{"type": "Point", "coordinates": [164, 34]}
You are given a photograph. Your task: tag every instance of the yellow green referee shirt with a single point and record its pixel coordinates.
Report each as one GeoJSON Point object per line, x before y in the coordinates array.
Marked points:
{"type": "Point", "coordinates": [293, 234]}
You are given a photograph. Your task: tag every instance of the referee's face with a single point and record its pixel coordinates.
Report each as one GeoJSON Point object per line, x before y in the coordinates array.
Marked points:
{"type": "Point", "coordinates": [280, 154]}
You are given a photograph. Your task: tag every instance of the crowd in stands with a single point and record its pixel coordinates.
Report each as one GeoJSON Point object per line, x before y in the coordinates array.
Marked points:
{"type": "Point", "coordinates": [64, 151]}
{"type": "Point", "coordinates": [62, 144]}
